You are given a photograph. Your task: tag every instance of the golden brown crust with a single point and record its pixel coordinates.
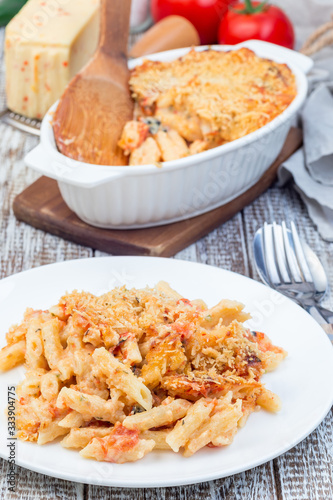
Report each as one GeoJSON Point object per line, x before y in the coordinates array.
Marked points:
{"type": "Point", "coordinates": [212, 96]}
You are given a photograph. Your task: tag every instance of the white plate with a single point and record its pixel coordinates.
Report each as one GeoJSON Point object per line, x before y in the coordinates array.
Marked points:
{"type": "Point", "coordinates": [301, 380]}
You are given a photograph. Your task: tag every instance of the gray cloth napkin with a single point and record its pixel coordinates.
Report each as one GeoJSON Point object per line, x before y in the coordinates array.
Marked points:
{"type": "Point", "coordinates": [312, 166]}
{"type": "Point", "coordinates": [317, 117]}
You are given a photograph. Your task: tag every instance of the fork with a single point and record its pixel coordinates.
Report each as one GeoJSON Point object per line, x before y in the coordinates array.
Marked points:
{"type": "Point", "coordinates": [283, 262]}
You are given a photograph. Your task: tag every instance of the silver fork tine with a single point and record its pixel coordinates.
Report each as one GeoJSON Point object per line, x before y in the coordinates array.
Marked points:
{"type": "Point", "coordinates": [280, 253]}
{"type": "Point", "coordinates": [291, 255]}
{"type": "Point", "coordinates": [300, 255]}
{"type": "Point", "coordinates": [269, 255]}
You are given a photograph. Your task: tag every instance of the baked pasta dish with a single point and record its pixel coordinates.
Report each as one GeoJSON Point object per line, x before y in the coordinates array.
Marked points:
{"type": "Point", "coordinates": [119, 375]}
{"type": "Point", "coordinates": [200, 101]}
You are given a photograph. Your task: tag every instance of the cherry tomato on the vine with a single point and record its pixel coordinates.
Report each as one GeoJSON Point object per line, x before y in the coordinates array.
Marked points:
{"type": "Point", "coordinates": [255, 20]}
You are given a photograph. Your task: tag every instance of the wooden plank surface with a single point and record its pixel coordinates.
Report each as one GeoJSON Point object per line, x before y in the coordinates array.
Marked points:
{"type": "Point", "coordinates": [41, 205]}
{"type": "Point", "coordinates": [305, 472]}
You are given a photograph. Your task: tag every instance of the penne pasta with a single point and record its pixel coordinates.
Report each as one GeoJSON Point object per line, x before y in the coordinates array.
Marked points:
{"type": "Point", "coordinates": [164, 288]}
{"type": "Point", "coordinates": [121, 445]}
{"type": "Point", "coordinates": [31, 385]}
{"type": "Point", "coordinates": [72, 419]}
{"type": "Point", "coordinates": [50, 384]}
{"type": "Point", "coordinates": [225, 312]}
{"type": "Point", "coordinates": [159, 437]}
{"type": "Point", "coordinates": [131, 352]}
{"type": "Point", "coordinates": [34, 355]}
{"type": "Point", "coordinates": [12, 355]}
{"type": "Point", "coordinates": [65, 368]}
{"type": "Point", "coordinates": [80, 438]}
{"type": "Point", "coordinates": [183, 430]}
{"type": "Point", "coordinates": [90, 406]}
{"type": "Point", "coordinates": [215, 429]}
{"type": "Point", "coordinates": [269, 401]}
{"type": "Point", "coordinates": [50, 432]}
{"type": "Point", "coordinates": [53, 349]}
{"type": "Point", "coordinates": [159, 416]}
{"type": "Point", "coordinates": [120, 377]}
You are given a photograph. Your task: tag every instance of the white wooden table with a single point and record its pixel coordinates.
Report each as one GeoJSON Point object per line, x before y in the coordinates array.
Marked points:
{"type": "Point", "coordinates": [305, 472]}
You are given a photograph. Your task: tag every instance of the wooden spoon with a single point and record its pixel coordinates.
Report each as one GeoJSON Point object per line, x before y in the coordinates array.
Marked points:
{"type": "Point", "coordinates": [97, 103]}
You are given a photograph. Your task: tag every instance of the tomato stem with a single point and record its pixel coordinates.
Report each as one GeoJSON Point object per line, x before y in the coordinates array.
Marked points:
{"type": "Point", "coordinates": [251, 9]}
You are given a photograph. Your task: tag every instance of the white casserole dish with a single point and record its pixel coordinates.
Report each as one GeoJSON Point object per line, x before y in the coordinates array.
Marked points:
{"type": "Point", "coordinates": [141, 196]}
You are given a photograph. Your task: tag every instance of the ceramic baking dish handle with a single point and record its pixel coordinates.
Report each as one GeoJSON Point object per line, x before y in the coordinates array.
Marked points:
{"type": "Point", "coordinates": [83, 176]}
{"type": "Point", "coordinates": [304, 63]}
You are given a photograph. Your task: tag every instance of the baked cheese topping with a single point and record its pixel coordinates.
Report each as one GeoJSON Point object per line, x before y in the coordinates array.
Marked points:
{"type": "Point", "coordinates": [205, 99]}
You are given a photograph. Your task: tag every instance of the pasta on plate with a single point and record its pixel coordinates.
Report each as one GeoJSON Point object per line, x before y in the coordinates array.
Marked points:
{"type": "Point", "coordinates": [118, 375]}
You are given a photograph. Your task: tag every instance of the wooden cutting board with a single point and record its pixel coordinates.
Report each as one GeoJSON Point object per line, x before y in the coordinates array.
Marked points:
{"type": "Point", "coordinates": [42, 206]}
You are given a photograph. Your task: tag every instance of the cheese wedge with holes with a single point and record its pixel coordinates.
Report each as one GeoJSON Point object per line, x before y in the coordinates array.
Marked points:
{"type": "Point", "coordinates": [46, 44]}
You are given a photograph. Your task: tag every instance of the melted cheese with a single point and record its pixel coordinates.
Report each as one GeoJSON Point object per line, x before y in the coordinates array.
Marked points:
{"type": "Point", "coordinates": [212, 96]}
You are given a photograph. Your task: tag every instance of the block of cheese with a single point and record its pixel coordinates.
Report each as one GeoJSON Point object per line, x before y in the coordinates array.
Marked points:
{"type": "Point", "coordinates": [46, 44]}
